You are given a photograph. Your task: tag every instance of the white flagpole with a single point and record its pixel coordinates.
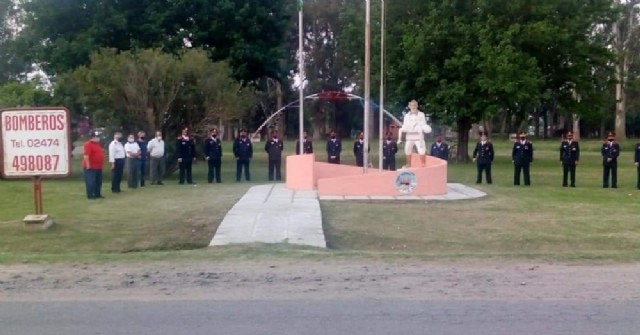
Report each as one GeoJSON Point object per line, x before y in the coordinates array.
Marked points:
{"type": "Point", "coordinates": [381, 111]}
{"type": "Point", "coordinates": [367, 84]}
{"type": "Point", "coordinates": [302, 78]}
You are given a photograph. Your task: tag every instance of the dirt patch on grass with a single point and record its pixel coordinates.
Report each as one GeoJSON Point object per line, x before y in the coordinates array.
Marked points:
{"type": "Point", "coordinates": [327, 279]}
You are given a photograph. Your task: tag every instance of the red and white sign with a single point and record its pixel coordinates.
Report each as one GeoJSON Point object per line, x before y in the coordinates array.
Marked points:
{"type": "Point", "coordinates": [35, 142]}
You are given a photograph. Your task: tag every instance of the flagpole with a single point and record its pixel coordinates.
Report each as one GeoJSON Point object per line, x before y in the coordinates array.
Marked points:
{"type": "Point", "coordinates": [367, 84]}
{"type": "Point", "coordinates": [381, 111]}
{"type": "Point", "coordinates": [302, 78]}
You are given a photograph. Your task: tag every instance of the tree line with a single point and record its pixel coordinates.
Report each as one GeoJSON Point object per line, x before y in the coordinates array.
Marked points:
{"type": "Point", "coordinates": [548, 65]}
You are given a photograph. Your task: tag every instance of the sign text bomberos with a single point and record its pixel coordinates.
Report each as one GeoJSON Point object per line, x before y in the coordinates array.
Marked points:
{"type": "Point", "coordinates": [35, 142]}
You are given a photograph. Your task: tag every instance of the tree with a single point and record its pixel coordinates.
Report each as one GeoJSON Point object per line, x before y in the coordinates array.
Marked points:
{"type": "Point", "coordinates": [222, 98]}
{"type": "Point", "coordinates": [11, 65]}
{"type": "Point", "coordinates": [61, 35]}
{"type": "Point", "coordinates": [153, 90]}
{"type": "Point", "coordinates": [626, 31]}
{"type": "Point", "coordinates": [152, 81]}
{"type": "Point", "coordinates": [17, 94]}
{"type": "Point", "coordinates": [467, 60]}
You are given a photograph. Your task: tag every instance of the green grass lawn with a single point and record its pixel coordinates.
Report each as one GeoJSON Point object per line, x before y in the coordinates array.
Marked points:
{"type": "Point", "coordinates": [541, 221]}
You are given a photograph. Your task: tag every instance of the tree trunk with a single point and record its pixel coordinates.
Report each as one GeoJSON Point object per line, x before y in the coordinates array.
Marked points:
{"type": "Point", "coordinates": [317, 120]}
{"type": "Point", "coordinates": [576, 127]}
{"type": "Point", "coordinates": [504, 123]}
{"type": "Point", "coordinates": [545, 119]}
{"type": "Point", "coordinates": [621, 101]}
{"type": "Point", "coordinates": [464, 125]}
{"type": "Point", "coordinates": [622, 70]}
{"type": "Point", "coordinates": [487, 126]}
{"type": "Point", "coordinates": [519, 119]}
{"type": "Point", "coordinates": [553, 115]}
{"type": "Point", "coordinates": [536, 122]}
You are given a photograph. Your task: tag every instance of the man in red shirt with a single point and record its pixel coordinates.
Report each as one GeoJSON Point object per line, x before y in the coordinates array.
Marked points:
{"type": "Point", "coordinates": [92, 165]}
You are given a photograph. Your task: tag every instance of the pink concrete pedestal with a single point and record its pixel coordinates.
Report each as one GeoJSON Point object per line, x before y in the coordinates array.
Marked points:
{"type": "Point", "coordinates": [303, 173]}
{"type": "Point", "coordinates": [299, 173]}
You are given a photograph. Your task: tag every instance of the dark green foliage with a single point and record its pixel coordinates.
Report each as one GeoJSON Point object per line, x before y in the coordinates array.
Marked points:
{"type": "Point", "coordinates": [62, 34]}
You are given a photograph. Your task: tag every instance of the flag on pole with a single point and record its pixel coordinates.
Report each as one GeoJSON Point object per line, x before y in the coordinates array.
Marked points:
{"type": "Point", "coordinates": [299, 5]}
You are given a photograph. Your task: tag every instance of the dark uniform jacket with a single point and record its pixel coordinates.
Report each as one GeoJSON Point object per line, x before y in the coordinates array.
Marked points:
{"type": "Point", "coordinates": [213, 148]}
{"type": "Point", "coordinates": [274, 149]}
{"type": "Point", "coordinates": [637, 159]}
{"type": "Point", "coordinates": [242, 149]}
{"type": "Point", "coordinates": [569, 152]}
{"type": "Point", "coordinates": [522, 154]}
{"type": "Point", "coordinates": [334, 148]}
{"type": "Point", "coordinates": [484, 153]}
{"type": "Point", "coordinates": [389, 150]}
{"type": "Point", "coordinates": [186, 148]}
{"type": "Point", "coordinates": [358, 151]}
{"type": "Point", "coordinates": [441, 151]}
{"type": "Point", "coordinates": [307, 146]}
{"type": "Point", "coordinates": [610, 150]}
{"type": "Point", "coordinates": [143, 150]}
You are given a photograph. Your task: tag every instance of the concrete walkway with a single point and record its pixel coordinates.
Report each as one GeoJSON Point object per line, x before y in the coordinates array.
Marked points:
{"type": "Point", "coordinates": [273, 214]}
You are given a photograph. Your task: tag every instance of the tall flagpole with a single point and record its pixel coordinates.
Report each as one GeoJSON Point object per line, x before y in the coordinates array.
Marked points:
{"type": "Point", "coordinates": [381, 111]}
{"type": "Point", "coordinates": [302, 78]}
{"type": "Point", "coordinates": [367, 84]}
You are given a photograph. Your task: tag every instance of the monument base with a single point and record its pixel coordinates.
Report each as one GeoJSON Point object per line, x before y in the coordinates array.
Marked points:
{"type": "Point", "coordinates": [304, 173]}
{"type": "Point", "coordinates": [37, 222]}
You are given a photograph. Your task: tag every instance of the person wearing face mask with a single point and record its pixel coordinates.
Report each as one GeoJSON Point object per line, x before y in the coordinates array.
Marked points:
{"type": "Point", "coordinates": [132, 150]}
{"type": "Point", "coordinates": [483, 157]}
{"type": "Point", "coordinates": [156, 159]}
{"type": "Point", "coordinates": [440, 149]}
{"type": "Point", "coordinates": [334, 148]}
{"type": "Point", "coordinates": [307, 145]}
{"type": "Point", "coordinates": [92, 161]}
{"type": "Point", "coordinates": [143, 155]}
{"type": "Point", "coordinates": [243, 151]}
{"type": "Point", "coordinates": [569, 157]}
{"type": "Point", "coordinates": [213, 155]}
{"type": "Point", "coordinates": [522, 157]}
{"type": "Point", "coordinates": [116, 159]}
{"type": "Point", "coordinates": [274, 148]}
{"type": "Point", "coordinates": [358, 149]}
{"type": "Point", "coordinates": [610, 152]}
{"type": "Point", "coordinates": [389, 150]}
{"type": "Point", "coordinates": [186, 152]}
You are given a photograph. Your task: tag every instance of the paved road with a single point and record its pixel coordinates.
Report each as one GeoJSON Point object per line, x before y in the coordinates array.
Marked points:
{"type": "Point", "coordinates": [320, 317]}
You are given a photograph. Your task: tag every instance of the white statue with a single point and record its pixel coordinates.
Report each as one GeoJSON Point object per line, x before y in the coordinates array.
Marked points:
{"type": "Point", "coordinates": [414, 126]}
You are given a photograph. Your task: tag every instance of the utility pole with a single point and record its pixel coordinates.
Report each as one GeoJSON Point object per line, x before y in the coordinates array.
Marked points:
{"type": "Point", "coordinates": [381, 111]}
{"type": "Point", "coordinates": [367, 83]}
{"type": "Point", "coordinates": [301, 72]}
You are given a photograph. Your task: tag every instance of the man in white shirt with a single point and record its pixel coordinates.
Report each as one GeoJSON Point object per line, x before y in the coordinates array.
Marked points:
{"type": "Point", "coordinates": [116, 158]}
{"type": "Point", "coordinates": [132, 150]}
{"type": "Point", "coordinates": [156, 154]}
{"type": "Point", "coordinates": [414, 126]}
